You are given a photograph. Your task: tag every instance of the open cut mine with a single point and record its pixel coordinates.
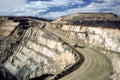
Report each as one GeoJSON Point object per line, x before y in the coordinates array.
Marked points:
{"type": "Point", "coordinates": [82, 46]}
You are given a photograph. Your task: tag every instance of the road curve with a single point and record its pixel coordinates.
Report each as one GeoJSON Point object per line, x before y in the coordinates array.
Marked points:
{"type": "Point", "coordinates": [96, 66]}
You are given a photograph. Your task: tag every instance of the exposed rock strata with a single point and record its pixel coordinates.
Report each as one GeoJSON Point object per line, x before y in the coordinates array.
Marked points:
{"type": "Point", "coordinates": [98, 37]}
{"type": "Point", "coordinates": [39, 53]}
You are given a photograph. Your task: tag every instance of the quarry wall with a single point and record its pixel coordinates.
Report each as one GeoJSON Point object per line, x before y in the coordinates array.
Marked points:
{"type": "Point", "coordinates": [100, 37]}
{"type": "Point", "coordinates": [40, 53]}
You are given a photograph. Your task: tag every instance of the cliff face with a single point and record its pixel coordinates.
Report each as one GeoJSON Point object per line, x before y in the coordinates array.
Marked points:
{"type": "Point", "coordinates": [39, 53]}
{"type": "Point", "coordinates": [93, 36]}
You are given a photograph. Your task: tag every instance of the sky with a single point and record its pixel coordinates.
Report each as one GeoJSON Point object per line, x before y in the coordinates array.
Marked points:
{"type": "Point", "coordinates": [53, 9]}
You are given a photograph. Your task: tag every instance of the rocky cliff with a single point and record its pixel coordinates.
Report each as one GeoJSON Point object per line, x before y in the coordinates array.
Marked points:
{"type": "Point", "coordinates": [93, 36]}
{"type": "Point", "coordinates": [39, 53]}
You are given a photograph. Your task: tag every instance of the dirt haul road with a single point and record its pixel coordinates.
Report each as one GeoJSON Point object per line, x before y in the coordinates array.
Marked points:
{"type": "Point", "coordinates": [95, 67]}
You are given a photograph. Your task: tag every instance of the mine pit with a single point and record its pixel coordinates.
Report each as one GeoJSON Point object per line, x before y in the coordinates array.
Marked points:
{"type": "Point", "coordinates": [83, 46]}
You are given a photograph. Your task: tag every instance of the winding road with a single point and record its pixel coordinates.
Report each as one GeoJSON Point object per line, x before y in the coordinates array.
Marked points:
{"type": "Point", "coordinates": [96, 66]}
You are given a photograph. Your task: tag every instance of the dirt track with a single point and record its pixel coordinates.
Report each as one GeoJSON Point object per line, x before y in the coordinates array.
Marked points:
{"type": "Point", "coordinates": [95, 67]}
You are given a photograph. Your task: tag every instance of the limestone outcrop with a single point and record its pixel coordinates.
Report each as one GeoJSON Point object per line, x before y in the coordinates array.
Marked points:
{"type": "Point", "coordinates": [39, 53]}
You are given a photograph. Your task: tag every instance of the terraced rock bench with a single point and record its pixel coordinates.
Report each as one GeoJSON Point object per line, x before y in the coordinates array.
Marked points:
{"type": "Point", "coordinates": [40, 53]}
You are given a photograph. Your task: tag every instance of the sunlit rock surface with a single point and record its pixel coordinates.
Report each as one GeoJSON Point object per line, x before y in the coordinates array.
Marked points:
{"type": "Point", "coordinates": [27, 51]}
{"type": "Point", "coordinates": [39, 53]}
{"type": "Point", "coordinates": [98, 37]}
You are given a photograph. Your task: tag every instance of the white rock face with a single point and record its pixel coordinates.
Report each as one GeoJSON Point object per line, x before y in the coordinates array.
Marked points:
{"type": "Point", "coordinates": [99, 37]}
{"type": "Point", "coordinates": [41, 54]}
